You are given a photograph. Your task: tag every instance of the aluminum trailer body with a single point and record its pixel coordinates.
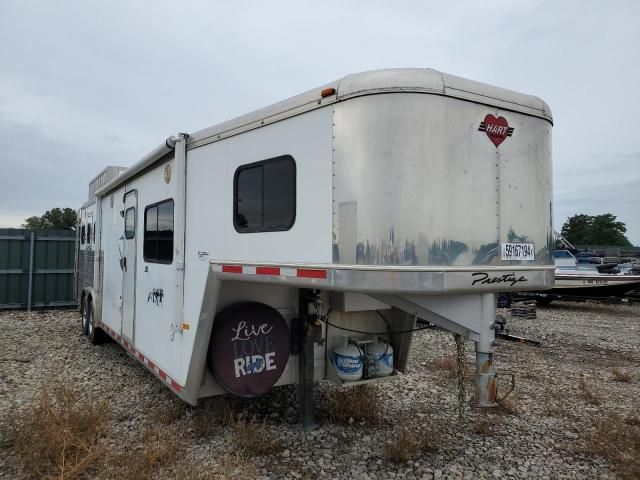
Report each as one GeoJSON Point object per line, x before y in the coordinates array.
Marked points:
{"type": "Point", "coordinates": [367, 203]}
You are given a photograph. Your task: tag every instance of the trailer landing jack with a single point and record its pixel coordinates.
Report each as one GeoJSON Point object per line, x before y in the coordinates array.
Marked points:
{"type": "Point", "coordinates": [306, 332]}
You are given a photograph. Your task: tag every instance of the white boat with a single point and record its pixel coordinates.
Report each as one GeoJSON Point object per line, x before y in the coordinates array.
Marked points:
{"type": "Point", "coordinates": [591, 280]}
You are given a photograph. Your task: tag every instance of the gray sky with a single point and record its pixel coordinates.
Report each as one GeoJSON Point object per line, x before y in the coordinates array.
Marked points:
{"type": "Point", "coordinates": [85, 84]}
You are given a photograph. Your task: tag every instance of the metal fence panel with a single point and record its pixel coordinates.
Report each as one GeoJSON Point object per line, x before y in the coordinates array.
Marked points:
{"type": "Point", "coordinates": [36, 273]}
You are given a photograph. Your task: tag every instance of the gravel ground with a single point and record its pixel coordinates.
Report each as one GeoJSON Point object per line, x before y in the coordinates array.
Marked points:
{"type": "Point", "coordinates": [540, 433]}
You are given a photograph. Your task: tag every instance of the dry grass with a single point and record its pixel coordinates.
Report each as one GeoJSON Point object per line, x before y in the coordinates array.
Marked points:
{"type": "Point", "coordinates": [589, 392]}
{"type": "Point", "coordinates": [617, 440]}
{"type": "Point", "coordinates": [229, 466]}
{"type": "Point", "coordinates": [359, 403]}
{"type": "Point", "coordinates": [209, 417]}
{"type": "Point", "coordinates": [430, 440]}
{"type": "Point", "coordinates": [483, 426]}
{"type": "Point", "coordinates": [510, 406]}
{"type": "Point", "coordinates": [402, 447]}
{"type": "Point", "coordinates": [406, 444]}
{"type": "Point", "coordinates": [529, 368]}
{"type": "Point", "coordinates": [621, 376]}
{"type": "Point", "coordinates": [59, 435]}
{"type": "Point", "coordinates": [167, 414]}
{"type": "Point", "coordinates": [448, 362]}
{"type": "Point", "coordinates": [253, 438]}
{"type": "Point", "coordinates": [556, 410]}
{"type": "Point", "coordinates": [154, 449]}
{"type": "Point", "coordinates": [62, 437]}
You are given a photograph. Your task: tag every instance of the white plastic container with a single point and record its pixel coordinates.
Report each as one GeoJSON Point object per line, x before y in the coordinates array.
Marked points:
{"type": "Point", "coordinates": [348, 362]}
{"type": "Point", "coordinates": [379, 357]}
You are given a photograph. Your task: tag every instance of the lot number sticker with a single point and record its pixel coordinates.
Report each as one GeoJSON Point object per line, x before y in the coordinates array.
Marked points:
{"type": "Point", "coordinates": [518, 251]}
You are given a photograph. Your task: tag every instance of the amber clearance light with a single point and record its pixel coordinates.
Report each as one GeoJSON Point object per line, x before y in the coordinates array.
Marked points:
{"type": "Point", "coordinates": [327, 92]}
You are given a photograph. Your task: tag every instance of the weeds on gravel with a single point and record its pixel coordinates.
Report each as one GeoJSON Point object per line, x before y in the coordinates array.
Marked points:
{"type": "Point", "coordinates": [155, 448]}
{"type": "Point", "coordinates": [589, 392]}
{"type": "Point", "coordinates": [59, 435]}
{"type": "Point", "coordinates": [253, 438]}
{"type": "Point", "coordinates": [509, 406]}
{"type": "Point", "coordinates": [229, 466]}
{"type": "Point", "coordinates": [359, 403]}
{"type": "Point", "coordinates": [210, 416]}
{"type": "Point", "coordinates": [529, 369]}
{"type": "Point", "coordinates": [556, 410]}
{"type": "Point", "coordinates": [618, 440]}
{"type": "Point", "coordinates": [167, 414]}
{"type": "Point", "coordinates": [402, 447]}
{"type": "Point", "coordinates": [621, 376]}
{"type": "Point", "coordinates": [448, 362]}
{"type": "Point", "coordinates": [406, 444]}
{"type": "Point", "coordinates": [484, 426]}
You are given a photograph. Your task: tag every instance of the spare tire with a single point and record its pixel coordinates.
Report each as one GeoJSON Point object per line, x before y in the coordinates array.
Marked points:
{"type": "Point", "coordinates": [249, 348]}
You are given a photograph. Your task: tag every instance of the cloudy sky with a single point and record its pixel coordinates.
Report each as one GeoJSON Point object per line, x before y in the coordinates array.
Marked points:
{"type": "Point", "coordinates": [85, 84]}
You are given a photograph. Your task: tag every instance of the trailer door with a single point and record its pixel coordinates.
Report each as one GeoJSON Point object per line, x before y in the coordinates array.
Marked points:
{"type": "Point", "coordinates": [129, 264]}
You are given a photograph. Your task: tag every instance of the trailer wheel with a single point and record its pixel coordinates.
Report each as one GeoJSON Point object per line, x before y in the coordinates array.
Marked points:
{"type": "Point", "coordinates": [95, 334]}
{"type": "Point", "coordinates": [84, 315]}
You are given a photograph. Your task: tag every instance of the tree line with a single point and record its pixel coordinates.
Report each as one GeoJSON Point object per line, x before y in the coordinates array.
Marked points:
{"type": "Point", "coordinates": [595, 230]}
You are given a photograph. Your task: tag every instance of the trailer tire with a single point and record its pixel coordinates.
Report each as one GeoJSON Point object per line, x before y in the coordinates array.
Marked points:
{"type": "Point", "coordinates": [95, 334]}
{"type": "Point", "coordinates": [84, 316]}
{"type": "Point", "coordinates": [268, 330]}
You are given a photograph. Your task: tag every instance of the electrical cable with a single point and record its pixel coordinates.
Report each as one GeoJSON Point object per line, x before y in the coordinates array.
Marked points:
{"type": "Point", "coordinates": [326, 320]}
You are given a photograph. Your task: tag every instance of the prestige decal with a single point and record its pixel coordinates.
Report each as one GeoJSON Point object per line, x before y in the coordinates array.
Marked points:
{"type": "Point", "coordinates": [156, 295]}
{"type": "Point", "coordinates": [483, 278]}
{"type": "Point", "coordinates": [497, 129]}
{"type": "Point", "coordinates": [253, 349]}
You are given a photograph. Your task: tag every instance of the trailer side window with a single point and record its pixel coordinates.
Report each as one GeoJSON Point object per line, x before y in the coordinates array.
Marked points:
{"type": "Point", "coordinates": [158, 232]}
{"type": "Point", "coordinates": [130, 223]}
{"type": "Point", "coordinates": [265, 195]}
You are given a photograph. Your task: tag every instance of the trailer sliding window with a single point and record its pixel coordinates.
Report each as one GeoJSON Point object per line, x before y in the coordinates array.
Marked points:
{"type": "Point", "coordinates": [130, 223]}
{"type": "Point", "coordinates": [158, 232]}
{"type": "Point", "coordinates": [265, 195]}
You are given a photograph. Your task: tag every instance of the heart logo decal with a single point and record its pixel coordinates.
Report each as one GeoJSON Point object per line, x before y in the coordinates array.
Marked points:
{"type": "Point", "coordinates": [497, 129]}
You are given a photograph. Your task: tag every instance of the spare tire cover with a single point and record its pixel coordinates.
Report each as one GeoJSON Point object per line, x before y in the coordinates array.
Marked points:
{"type": "Point", "coordinates": [249, 348]}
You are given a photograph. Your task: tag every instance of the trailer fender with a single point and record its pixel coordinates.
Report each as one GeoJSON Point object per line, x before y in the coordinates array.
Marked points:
{"type": "Point", "coordinates": [87, 294]}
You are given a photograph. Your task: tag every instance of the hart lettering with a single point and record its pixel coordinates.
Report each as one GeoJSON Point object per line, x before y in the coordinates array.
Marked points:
{"type": "Point", "coordinates": [482, 278]}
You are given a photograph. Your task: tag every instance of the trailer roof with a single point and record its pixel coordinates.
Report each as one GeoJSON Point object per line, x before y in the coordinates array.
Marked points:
{"type": "Point", "coordinates": [416, 80]}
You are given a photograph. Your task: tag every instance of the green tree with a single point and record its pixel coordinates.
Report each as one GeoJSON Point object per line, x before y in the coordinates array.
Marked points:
{"type": "Point", "coordinates": [595, 230]}
{"type": "Point", "coordinates": [54, 219]}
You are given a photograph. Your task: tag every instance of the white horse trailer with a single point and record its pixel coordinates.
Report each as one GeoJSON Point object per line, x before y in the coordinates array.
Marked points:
{"type": "Point", "coordinates": [243, 256]}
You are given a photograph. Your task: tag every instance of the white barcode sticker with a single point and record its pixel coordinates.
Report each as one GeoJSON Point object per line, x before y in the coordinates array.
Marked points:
{"type": "Point", "coordinates": [518, 251]}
